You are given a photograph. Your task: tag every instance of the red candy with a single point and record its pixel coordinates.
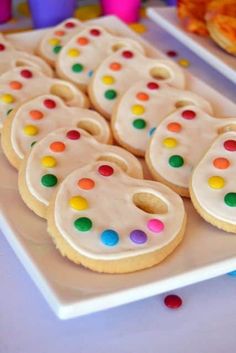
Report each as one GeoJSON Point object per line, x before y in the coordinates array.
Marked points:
{"type": "Point", "coordinates": [105, 170]}
{"type": "Point", "coordinates": [172, 53]}
{"type": "Point", "coordinates": [73, 135]}
{"type": "Point", "coordinates": [188, 114]}
{"type": "Point", "coordinates": [127, 54]}
{"type": "Point", "coordinates": [95, 32]}
{"type": "Point", "coordinates": [173, 301]}
{"type": "Point", "coordinates": [230, 145]}
{"type": "Point", "coordinates": [26, 73]}
{"type": "Point", "coordinates": [49, 103]}
{"type": "Point", "coordinates": [152, 85]}
{"type": "Point", "coordinates": [2, 47]}
{"type": "Point", "coordinates": [69, 25]}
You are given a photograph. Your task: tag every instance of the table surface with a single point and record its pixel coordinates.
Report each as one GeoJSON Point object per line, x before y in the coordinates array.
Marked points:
{"type": "Point", "coordinates": [206, 321]}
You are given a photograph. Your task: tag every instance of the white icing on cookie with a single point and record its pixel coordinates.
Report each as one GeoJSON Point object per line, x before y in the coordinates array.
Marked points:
{"type": "Point", "coordinates": [56, 37]}
{"type": "Point", "coordinates": [98, 217]}
{"type": "Point", "coordinates": [47, 113]}
{"type": "Point", "coordinates": [11, 58]}
{"type": "Point", "coordinates": [85, 51]}
{"type": "Point", "coordinates": [23, 83]}
{"type": "Point", "coordinates": [122, 69]}
{"type": "Point", "coordinates": [180, 141]}
{"type": "Point", "coordinates": [63, 150]}
{"type": "Point", "coordinates": [143, 107]}
{"type": "Point", "coordinates": [213, 180]}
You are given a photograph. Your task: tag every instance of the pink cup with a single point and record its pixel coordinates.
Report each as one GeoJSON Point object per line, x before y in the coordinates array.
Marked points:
{"type": "Point", "coordinates": [126, 10]}
{"type": "Point", "coordinates": [5, 10]}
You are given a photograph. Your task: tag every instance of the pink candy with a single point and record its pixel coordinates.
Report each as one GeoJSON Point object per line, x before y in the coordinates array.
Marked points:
{"type": "Point", "coordinates": [155, 225]}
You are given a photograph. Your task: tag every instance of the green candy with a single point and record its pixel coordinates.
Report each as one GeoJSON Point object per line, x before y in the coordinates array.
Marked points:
{"type": "Point", "coordinates": [49, 180]}
{"type": "Point", "coordinates": [230, 199]}
{"type": "Point", "coordinates": [110, 94]}
{"type": "Point", "coordinates": [139, 123]}
{"type": "Point", "coordinates": [57, 49]}
{"type": "Point", "coordinates": [83, 224]}
{"type": "Point", "coordinates": [77, 68]}
{"type": "Point", "coordinates": [176, 161]}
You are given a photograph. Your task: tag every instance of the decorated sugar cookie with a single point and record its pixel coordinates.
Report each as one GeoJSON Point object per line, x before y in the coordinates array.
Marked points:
{"type": "Point", "coordinates": [142, 108]}
{"type": "Point", "coordinates": [178, 144]}
{"type": "Point", "coordinates": [59, 153]}
{"type": "Point", "coordinates": [213, 186]}
{"type": "Point", "coordinates": [10, 58]}
{"type": "Point", "coordinates": [23, 83]}
{"type": "Point", "coordinates": [56, 37]}
{"type": "Point", "coordinates": [85, 51]}
{"type": "Point", "coordinates": [122, 69]}
{"type": "Point", "coordinates": [109, 222]}
{"type": "Point", "coordinates": [37, 117]}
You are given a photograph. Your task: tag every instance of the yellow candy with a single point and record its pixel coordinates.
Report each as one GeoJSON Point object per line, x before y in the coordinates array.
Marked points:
{"type": "Point", "coordinates": [216, 182]}
{"type": "Point", "coordinates": [170, 142]}
{"type": "Point", "coordinates": [108, 80]}
{"type": "Point", "coordinates": [7, 98]}
{"type": "Point", "coordinates": [73, 52]}
{"type": "Point", "coordinates": [48, 162]}
{"type": "Point", "coordinates": [54, 41]}
{"type": "Point", "coordinates": [137, 109]}
{"type": "Point", "coordinates": [138, 27]}
{"type": "Point", "coordinates": [31, 130]}
{"type": "Point", "coordinates": [78, 203]}
{"type": "Point", "coordinates": [184, 63]}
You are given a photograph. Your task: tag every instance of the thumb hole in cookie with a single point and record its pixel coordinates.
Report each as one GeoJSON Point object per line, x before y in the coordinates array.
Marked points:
{"type": "Point", "coordinates": [116, 159]}
{"type": "Point", "coordinates": [160, 73]}
{"type": "Point", "coordinates": [183, 103]}
{"type": "Point", "coordinates": [226, 128]}
{"type": "Point", "coordinates": [62, 91]}
{"type": "Point", "coordinates": [91, 127]}
{"type": "Point", "coordinates": [149, 203]}
{"type": "Point", "coordinates": [117, 46]}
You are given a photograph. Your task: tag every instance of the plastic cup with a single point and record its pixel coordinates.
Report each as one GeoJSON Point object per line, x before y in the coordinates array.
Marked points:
{"type": "Point", "coordinates": [126, 10]}
{"type": "Point", "coordinates": [46, 13]}
{"type": "Point", "coordinates": [5, 10]}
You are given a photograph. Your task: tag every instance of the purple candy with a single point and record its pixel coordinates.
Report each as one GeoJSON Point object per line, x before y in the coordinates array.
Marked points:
{"type": "Point", "coordinates": [138, 236]}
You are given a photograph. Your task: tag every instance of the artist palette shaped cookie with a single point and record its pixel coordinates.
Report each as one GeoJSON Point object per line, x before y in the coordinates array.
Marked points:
{"type": "Point", "coordinates": [178, 144]}
{"type": "Point", "coordinates": [55, 38]}
{"type": "Point", "coordinates": [122, 69]}
{"type": "Point", "coordinates": [85, 51]}
{"type": "Point", "coordinates": [23, 83]}
{"type": "Point", "coordinates": [109, 222]}
{"type": "Point", "coordinates": [35, 118]}
{"type": "Point", "coordinates": [213, 186]}
{"type": "Point", "coordinates": [11, 58]}
{"type": "Point", "coordinates": [59, 153]}
{"type": "Point", "coordinates": [143, 107]}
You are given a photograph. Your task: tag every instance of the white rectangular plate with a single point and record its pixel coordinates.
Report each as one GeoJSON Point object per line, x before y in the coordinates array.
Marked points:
{"type": "Point", "coordinates": [73, 290]}
{"type": "Point", "coordinates": [202, 46]}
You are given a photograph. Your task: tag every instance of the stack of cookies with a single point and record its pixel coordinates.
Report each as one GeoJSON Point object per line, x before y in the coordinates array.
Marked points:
{"type": "Point", "coordinates": [77, 117]}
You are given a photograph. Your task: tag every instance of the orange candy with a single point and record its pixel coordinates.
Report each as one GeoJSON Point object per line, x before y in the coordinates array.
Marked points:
{"type": "Point", "coordinates": [59, 33]}
{"type": "Point", "coordinates": [57, 146]}
{"type": "Point", "coordinates": [86, 183]}
{"type": "Point", "coordinates": [221, 163]}
{"type": "Point", "coordinates": [36, 114]}
{"type": "Point", "coordinates": [174, 127]}
{"type": "Point", "coordinates": [142, 96]}
{"type": "Point", "coordinates": [115, 66]}
{"type": "Point", "coordinates": [82, 41]}
{"type": "Point", "coordinates": [15, 85]}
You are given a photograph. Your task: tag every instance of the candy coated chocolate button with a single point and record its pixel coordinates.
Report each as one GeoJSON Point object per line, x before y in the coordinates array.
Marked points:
{"type": "Point", "coordinates": [216, 182]}
{"type": "Point", "coordinates": [155, 225]}
{"type": "Point", "coordinates": [139, 123]}
{"type": "Point", "coordinates": [77, 68]}
{"type": "Point", "coordinates": [48, 162]}
{"type": "Point", "coordinates": [230, 145]}
{"type": "Point", "coordinates": [73, 135]}
{"type": "Point", "coordinates": [49, 180]}
{"type": "Point", "coordinates": [172, 53]}
{"type": "Point", "coordinates": [110, 94]}
{"type": "Point", "coordinates": [221, 163]}
{"type": "Point", "coordinates": [115, 66]}
{"type": "Point", "coordinates": [86, 183]}
{"type": "Point", "coordinates": [57, 49]}
{"type": "Point", "coordinates": [176, 161]}
{"type": "Point", "coordinates": [109, 237]}
{"type": "Point", "coordinates": [83, 224]}
{"type": "Point", "coordinates": [78, 203]}
{"type": "Point", "coordinates": [7, 98]}
{"type": "Point", "coordinates": [36, 114]}
{"type": "Point", "coordinates": [95, 32]}
{"type": "Point", "coordinates": [2, 47]}
{"type": "Point", "coordinates": [49, 103]}
{"type": "Point", "coordinates": [230, 199]}
{"type": "Point", "coordinates": [174, 127]}
{"type": "Point", "coordinates": [138, 236]}
{"type": "Point", "coordinates": [152, 85]}
{"type": "Point", "coordinates": [16, 85]}
{"type": "Point", "coordinates": [127, 54]}
{"type": "Point", "coordinates": [69, 25]}
{"type": "Point", "coordinates": [188, 114]}
{"type": "Point", "coordinates": [173, 301]}
{"type": "Point", "coordinates": [105, 170]}
{"type": "Point", "coordinates": [26, 73]}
